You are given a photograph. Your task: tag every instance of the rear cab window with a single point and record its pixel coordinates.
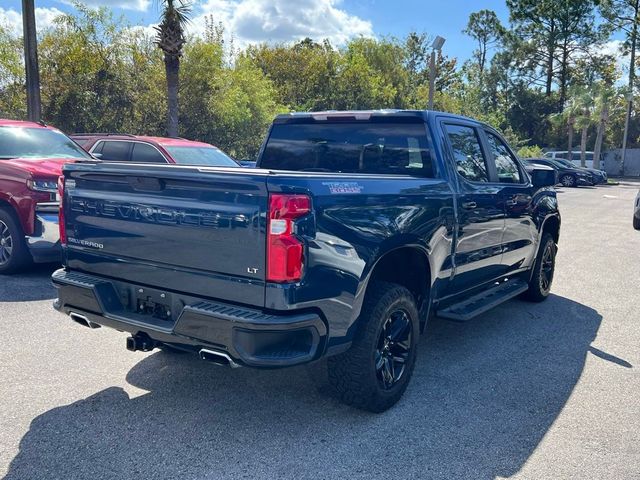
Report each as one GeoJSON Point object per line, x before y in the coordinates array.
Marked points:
{"type": "Point", "coordinates": [375, 146]}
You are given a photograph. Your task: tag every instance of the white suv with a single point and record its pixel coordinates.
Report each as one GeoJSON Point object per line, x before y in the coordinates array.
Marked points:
{"type": "Point", "coordinates": [575, 157]}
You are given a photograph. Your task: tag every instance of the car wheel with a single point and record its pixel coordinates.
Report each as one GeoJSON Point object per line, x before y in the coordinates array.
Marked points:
{"type": "Point", "coordinates": [568, 181]}
{"type": "Point", "coordinates": [374, 373]}
{"type": "Point", "coordinates": [636, 222]}
{"type": "Point", "coordinates": [543, 270]}
{"type": "Point", "coordinates": [14, 254]}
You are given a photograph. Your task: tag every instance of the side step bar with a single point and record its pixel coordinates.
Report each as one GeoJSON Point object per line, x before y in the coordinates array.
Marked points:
{"type": "Point", "coordinates": [483, 301]}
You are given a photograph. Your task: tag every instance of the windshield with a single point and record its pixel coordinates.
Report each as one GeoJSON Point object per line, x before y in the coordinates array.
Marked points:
{"type": "Point", "coordinates": [564, 162]}
{"type": "Point", "coordinates": [18, 142]}
{"type": "Point", "coordinates": [207, 156]}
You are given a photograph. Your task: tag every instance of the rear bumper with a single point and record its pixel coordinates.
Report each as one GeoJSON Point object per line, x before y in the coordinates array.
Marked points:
{"type": "Point", "coordinates": [249, 336]}
{"type": "Point", "coordinates": [44, 244]}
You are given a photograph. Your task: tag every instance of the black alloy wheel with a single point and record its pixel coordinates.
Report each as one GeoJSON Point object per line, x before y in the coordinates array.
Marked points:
{"type": "Point", "coordinates": [394, 348]}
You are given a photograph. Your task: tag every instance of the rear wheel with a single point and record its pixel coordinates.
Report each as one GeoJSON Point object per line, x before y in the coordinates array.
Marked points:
{"type": "Point", "coordinates": [14, 254]}
{"type": "Point", "coordinates": [542, 277]}
{"type": "Point", "coordinates": [374, 373]}
{"type": "Point", "coordinates": [568, 180]}
{"type": "Point", "coordinates": [636, 222]}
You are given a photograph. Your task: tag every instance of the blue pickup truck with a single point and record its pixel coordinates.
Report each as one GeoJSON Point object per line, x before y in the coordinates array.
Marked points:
{"type": "Point", "coordinates": [354, 229]}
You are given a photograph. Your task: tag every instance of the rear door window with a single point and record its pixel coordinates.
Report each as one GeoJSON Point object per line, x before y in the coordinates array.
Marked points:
{"type": "Point", "coordinates": [145, 153]}
{"type": "Point", "coordinates": [467, 152]}
{"type": "Point", "coordinates": [351, 147]}
{"type": "Point", "coordinates": [115, 151]}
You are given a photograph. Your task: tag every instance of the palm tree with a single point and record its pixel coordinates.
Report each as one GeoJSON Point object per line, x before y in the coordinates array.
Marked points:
{"type": "Point", "coordinates": [568, 118]}
{"type": "Point", "coordinates": [582, 104]}
{"type": "Point", "coordinates": [603, 101]}
{"type": "Point", "coordinates": [170, 39]}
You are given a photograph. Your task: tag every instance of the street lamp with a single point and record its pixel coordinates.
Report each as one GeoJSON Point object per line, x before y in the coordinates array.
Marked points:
{"type": "Point", "coordinates": [436, 46]}
{"type": "Point", "coordinates": [629, 98]}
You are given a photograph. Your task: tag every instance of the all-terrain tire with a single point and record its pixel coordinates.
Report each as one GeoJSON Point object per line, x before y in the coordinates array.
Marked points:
{"type": "Point", "coordinates": [355, 375]}
{"type": "Point", "coordinates": [543, 270]}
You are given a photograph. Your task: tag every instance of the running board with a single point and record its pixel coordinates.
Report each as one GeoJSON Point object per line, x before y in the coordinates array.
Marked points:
{"type": "Point", "coordinates": [483, 301]}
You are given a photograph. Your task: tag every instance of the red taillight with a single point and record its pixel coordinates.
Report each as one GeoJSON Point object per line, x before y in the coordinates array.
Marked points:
{"type": "Point", "coordinates": [285, 253]}
{"type": "Point", "coordinates": [61, 224]}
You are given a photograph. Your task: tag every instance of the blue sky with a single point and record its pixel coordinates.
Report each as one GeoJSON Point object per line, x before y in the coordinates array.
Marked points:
{"type": "Point", "coordinates": [377, 17]}
{"type": "Point", "coordinates": [289, 20]}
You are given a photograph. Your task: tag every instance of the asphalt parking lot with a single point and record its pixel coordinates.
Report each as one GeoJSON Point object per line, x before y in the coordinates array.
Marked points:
{"type": "Point", "coordinates": [545, 390]}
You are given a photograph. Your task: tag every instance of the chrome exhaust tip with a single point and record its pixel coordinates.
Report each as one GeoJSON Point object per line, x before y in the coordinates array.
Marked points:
{"type": "Point", "coordinates": [82, 320]}
{"type": "Point", "coordinates": [219, 358]}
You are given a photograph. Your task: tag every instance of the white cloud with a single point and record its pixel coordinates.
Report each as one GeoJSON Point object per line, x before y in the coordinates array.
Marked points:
{"type": "Point", "coordinates": [139, 5]}
{"type": "Point", "coordinates": [252, 21]}
{"type": "Point", "coordinates": [12, 20]}
{"type": "Point", "coordinates": [614, 48]}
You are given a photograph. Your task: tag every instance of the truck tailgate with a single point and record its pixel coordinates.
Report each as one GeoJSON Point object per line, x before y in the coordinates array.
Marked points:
{"type": "Point", "coordinates": [181, 229]}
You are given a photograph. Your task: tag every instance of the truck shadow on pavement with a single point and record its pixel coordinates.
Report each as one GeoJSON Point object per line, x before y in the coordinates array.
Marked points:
{"type": "Point", "coordinates": [34, 284]}
{"type": "Point", "coordinates": [483, 396]}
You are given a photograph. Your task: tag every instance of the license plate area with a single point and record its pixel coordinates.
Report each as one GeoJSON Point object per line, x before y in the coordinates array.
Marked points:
{"type": "Point", "coordinates": [151, 303]}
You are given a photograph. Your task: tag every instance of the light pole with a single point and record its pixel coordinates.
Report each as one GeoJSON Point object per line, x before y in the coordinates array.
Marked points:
{"type": "Point", "coordinates": [629, 98]}
{"type": "Point", "coordinates": [436, 46]}
{"type": "Point", "coordinates": [31, 61]}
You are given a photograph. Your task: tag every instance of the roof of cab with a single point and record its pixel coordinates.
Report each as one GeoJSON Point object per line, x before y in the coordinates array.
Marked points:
{"type": "Point", "coordinates": [366, 114]}
{"type": "Point", "coordinates": [164, 141]}
{"type": "Point", "coordinates": [7, 122]}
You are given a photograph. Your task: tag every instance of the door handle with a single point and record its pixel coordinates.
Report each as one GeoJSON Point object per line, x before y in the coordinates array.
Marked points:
{"type": "Point", "coordinates": [469, 205]}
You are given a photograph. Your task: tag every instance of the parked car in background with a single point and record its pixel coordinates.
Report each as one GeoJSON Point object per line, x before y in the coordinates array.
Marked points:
{"type": "Point", "coordinates": [575, 157]}
{"type": "Point", "coordinates": [531, 166]}
{"type": "Point", "coordinates": [142, 149]}
{"type": "Point", "coordinates": [354, 228]}
{"type": "Point", "coordinates": [567, 176]}
{"type": "Point", "coordinates": [31, 159]}
{"type": "Point", "coordinates": [598, 177]}
{"type": "Point", "coordinates": [636, 213]}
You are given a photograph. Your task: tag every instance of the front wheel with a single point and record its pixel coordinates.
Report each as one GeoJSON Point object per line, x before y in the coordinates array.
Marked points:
{"type": "Point", "coordinates": [14, 254]}
{"type": "Point", "coordinates": [374, 373]}
{"type": "Point", "coordinates": [543, 270]}
{"type": "Point", "coordinates": [636, 222]}
{"type": "Point", "coordinates": [568, 180]}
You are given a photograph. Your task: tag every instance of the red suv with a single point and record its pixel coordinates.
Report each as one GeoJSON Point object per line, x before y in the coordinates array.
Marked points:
{"type": "Point", "coordinates": [31, 159]}
{"type": "Point", "coordinates": [142, 149]}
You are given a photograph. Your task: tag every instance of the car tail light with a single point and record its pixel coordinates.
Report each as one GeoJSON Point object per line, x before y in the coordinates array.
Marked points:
{"type": "Point", "coordinates": [285, 252]}
{"type": "Point", "coordinates": [61, 223]}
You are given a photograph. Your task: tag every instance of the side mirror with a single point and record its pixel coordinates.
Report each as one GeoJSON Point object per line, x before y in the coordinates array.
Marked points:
{"type": "Point", "coordinates": [544, 177]}
{"type": "Point", "coordinates": [97, 155]}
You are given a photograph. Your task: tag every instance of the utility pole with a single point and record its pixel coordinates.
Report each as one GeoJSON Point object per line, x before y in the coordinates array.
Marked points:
{"type": "Point", "coordinates": [437, 44]}
{"type": "Point", "coordinates": [34, 111]}
{"type": "Point", "coordinates": [629, 99]}
{"type": "Point", "coordinates": [632, 73]}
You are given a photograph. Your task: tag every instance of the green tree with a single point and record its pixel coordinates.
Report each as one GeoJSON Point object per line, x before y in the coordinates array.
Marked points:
{"type": "Point", "coordinates": [304, 74]}
{"type": "Point", "coordinates": [485, 28]}
{"type": "Point", "coordinates": [171, 39]}
{"type": "Point", "coordinates": [12, 90]}
{"type": "Point", "coordinates": [552, 35]}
